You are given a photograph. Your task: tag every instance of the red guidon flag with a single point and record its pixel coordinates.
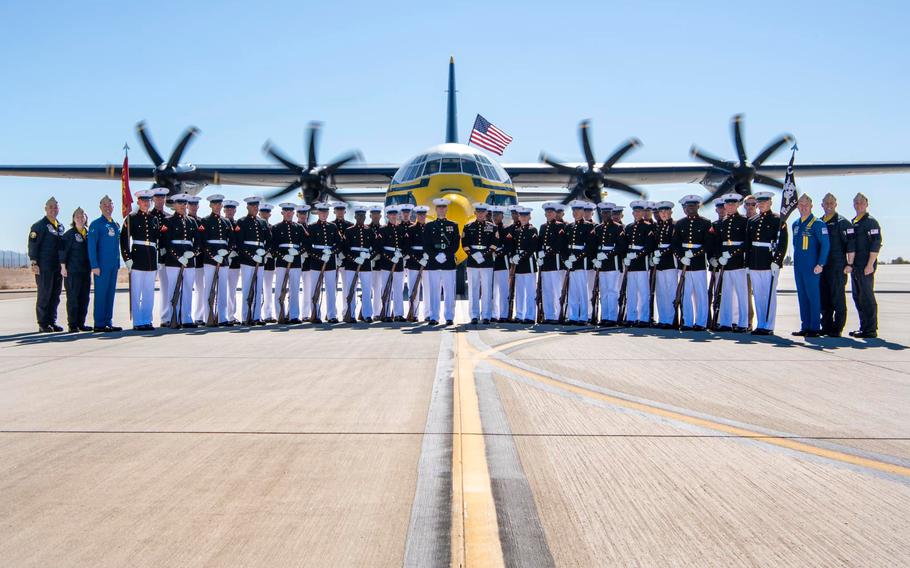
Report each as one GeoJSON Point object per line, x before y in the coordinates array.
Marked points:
{"type": "Point", "coordinates": [126, 195]}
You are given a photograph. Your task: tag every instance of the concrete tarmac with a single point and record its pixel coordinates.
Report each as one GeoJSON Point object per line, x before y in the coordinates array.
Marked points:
{"type": "Point", "coordinates": [390, 445]}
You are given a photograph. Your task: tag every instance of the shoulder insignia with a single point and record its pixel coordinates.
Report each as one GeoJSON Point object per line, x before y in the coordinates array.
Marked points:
{"type": "Point", "coordinates": [202, 230]}
{"type": "Point", "coordinates": [33, 235]}
{"type": "Point", "coordinates": [873, 231]}
{"type": "Point", "coordinates": [163, 228]}
{"type": "Point", "coordinates": [237, 230]}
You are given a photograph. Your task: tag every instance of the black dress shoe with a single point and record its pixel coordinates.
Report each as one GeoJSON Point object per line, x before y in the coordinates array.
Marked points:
{"type": "Point", "coordinates": [813, 333]}
{"type": "Point", "coordinates": [72, 329]}
{"type": "Point", "coordinates": [83, 328]}
{"type": "Point", "coordinates": [800, 333]}
{"type": "Point", "coordinates": [333, 320]}
{"type": "Point", "coordinates": [190, 325]}
{"type": "Point", "coordinates": [449, 322]}
{"type": "Point", "coordinates": [45, 329]}
{"type": "Point", "coordinates": [294, 321]}
{"type": "Point", "coordinates": [485, 321]}
{"type": "Point", "coordinates": [433, 322]}
{"type": "Point", "coordinates": [98, 328]}
{"type": "Point", "coordinates": [856, 333]}
{"type": "Point", "coordinates": [866, 335]}
{"type": "Point", "coordinates": [737, 329]}
{"type": "Point", "coordinates": [723, 329]}
{"type": "Point", "coordinates": [368, 320]}
{"type": "Point", "coordinates": [699, 328]}
{"type": "Point", "coordinates": [113, 328]}
{"type": "Point", "coordinates": [226, 324]}
{"type": "Point", "coordinates": [315, 320]}
{"type": "Point", "coordinates": [199, 323]}
{"type": "Point", "coordinates": [399, 319]}
{"type": "Point", "coordinates": [686, 328]}
{"type": "Point", "coordinates": [474, 321]}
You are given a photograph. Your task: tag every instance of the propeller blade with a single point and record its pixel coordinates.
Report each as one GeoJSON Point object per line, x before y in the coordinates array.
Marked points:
{"type": "Point", "coordinates": [561, 168]}
{"type": "Point", "coordinates": [285, 191]}
{"type": "Point", "coordinates": [628, 146]}
{"type": "Point", "coordinates": [765, 180]}
{"type": "Point", "coordinates": [770, 149]}
{"type": "Point", "coordinates": [149, 146]}
{"type": "Point", "coordinates": [695, 152]}
{"type": "Point", "coordinates": [269, 149]}
{"type": "Point", "coordinates": [312, 140]}
{"type": "Point", "coordinates": [333, 167]}
{"type": "Point", "coordinates": [174, 160]}
{"type": "Point", "coordinates": [331, 192]}
{"type": "Point", "coordinates": [576, 191]}
{"type": "Point", "coordinates": [723, 188]}
{"type": "Point", "coordinates": [737, 126]}
{"type": "Point", "coordinates": [583, 132]}
{"type": "Point", "coordinates": [619, 186]}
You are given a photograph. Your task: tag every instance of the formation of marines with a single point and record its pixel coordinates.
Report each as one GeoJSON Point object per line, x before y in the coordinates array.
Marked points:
{"type": "Point", "coordinates": [691, 274]}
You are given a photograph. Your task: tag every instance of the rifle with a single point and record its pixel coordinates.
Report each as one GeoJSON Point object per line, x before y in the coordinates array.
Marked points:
{"type": "Point", "coordinates": [621, 313]}
{"type": "Point", "coordinates": [564, 298]}
{"type": "Point", "coordinates": [387, 293]}
{"type": "Point", "coordinates": [712, 283]}
{"type": "Point", "coordinates": [414, 300]}
{"type": "Point", "coordinates": [595, 297]}
{"type": "Point", "coordinates": [129, 277]}
{"type": "Point", "coordinates": [282, 312]}
{"type": "Point", "coordinates": [314, 315]}
{"type": "Point", "coordinates": [539, 297]}
{"type": "Point", "coordinates": [212, 319]}
{"type": "Point", "coordinates": [715, 303]}
{"type": "Point", "coordinates": [652, 285]}
{"type": "Point", "coordinates": [175, 300]}
{"type": "Point", "coordinates": [511, 300]}
{"type": "Point", "coordinates": [349, 313]}
{"type": "Point", "coordinates": [251, 295]}
{"type": "Point", "coordinates": [677, 299]}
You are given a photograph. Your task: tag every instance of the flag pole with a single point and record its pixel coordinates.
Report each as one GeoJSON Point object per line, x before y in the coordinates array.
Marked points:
{"type": "Point", "coordinates": [785, 208]}
{"type": "Point", "coordinates": [124, 199]}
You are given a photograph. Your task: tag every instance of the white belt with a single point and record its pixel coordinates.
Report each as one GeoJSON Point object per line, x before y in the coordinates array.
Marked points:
{"type": "Point", "coordinates": [761, 244]}
{"type": "Point", "coordinates": [182, 243]}
{"type": "Point", "coordinates": [146, 244]}
{"type": "Point", "coordinates": [732, 243]}
{"type": "Point", "coordinates": [578, 247]}
{"type": "Point", "coordinates": [664, 246]}
{"type": "Point", "coordinates": [637, 247]}
{"type": "Point", "coordinates": [252, 243]}
{"type": "Point", "coordinates": [390, 249]}
{"type": "Point", "coordinates": [606, 248]}
{"type": "Point", "coordinates": [360, 249]}
{"type": "Point", "coordinates": [479, 247]}
{"type": "Point", "coordinates": [417, 247]}
{"type": "Point", "coordinates": [288, 245]}
{"type": "Point", "coordinates": [321, 247]}
{"type": "Point", "coordinates": [217, 242]}
{"type": "Point", "coordinates": [691, 246]}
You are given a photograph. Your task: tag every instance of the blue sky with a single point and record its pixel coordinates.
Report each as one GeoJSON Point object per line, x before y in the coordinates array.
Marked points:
{"type": "Point", "coordinates": [78, 76]}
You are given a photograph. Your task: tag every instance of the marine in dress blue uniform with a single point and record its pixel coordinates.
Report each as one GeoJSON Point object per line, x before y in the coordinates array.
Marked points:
{"type": "Point", "coordinates": [104, 257]}
{"type": "Point", "coordinates": [441, 240]}
{"type": "Point", "coordinates": [139, 240]}
{"type": "Point", "coordinates": [810, 252]}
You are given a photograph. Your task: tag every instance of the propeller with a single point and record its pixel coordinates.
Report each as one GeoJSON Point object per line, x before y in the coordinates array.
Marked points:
{"type": "Point", "coordinates": [313, 179]}
{"type": "Point", "coordinates": [169, 174]}
{"type": "Point", "coordinates": [591, 179]}
{"type": "Point", "coordinates": [740, 174]}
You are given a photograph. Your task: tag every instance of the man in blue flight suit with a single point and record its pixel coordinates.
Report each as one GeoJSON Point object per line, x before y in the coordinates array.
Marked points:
{"type": "Point", "coordinates": [104, 258]}
{"type": "Point", "coordinates": [810, 252]}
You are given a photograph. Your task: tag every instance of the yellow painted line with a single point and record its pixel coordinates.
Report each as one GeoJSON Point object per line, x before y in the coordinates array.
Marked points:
{"type": "Point", "coordinates": [790, 444]}
{"type": "Point", "coordinates": [475, 532]}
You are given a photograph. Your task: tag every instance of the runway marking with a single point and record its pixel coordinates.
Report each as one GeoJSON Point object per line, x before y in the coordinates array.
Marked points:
{"type": "Point", "coordinates": [475, 530]}
{"type": "Point", "coordinates": [738, 432]}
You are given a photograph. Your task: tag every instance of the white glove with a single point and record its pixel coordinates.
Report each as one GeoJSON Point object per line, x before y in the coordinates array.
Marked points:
{"type": "Point", "coordinates": [288, 258]}
{"type": "Point", "coordinates": [326, 256]}
{"type": "Point", "coordinates": [183, 260]}
{"type": "Point", "coordinates": [129, 264]}
{"type": "Point", "coordinates": [726, 255]}
{"type": "Point", "coordinates": [630, 256]}
{"type": "Point", "coordinates": [541, 255]}
{"type": "Point", "coordinates": [569, 262]}
{"type": "Point", "coordinates": [689, 254]}
{"type": "Point", "coordinates": [423, 260]}
{"type": "Point", "coordinates": [268, 255]}
{"type": "Point", "coordinates": [257, 259]}
{"type": "Point", "coordinates": [713, 262]}
{"type": "Point", "coordinates": [293, 252]}
{"type": "Point", "coordinates": [396, 257]}
{"type": "Point", "coordinates": [233, 254]}
{"type": "Point", "coordinates": [686, 261]}
{"type": "Point", "coordinates": [601, 256]}
{"type": "Point", "coordinates": [723, 260]}
{"type": "Point", "coordinates": [222, 252]}
{"type": "Point", "coordinates": [597, 263]}
{"type": "Point", "coordinates": [304, 255]}
{"type": "Point", "coordinates": [572, 258]}
{"type": "Point", "coordinates": [218, 258]}
{"type": "Point", "coordinates": [775, 268]}
{"type": "Point", "coordinates": [260, 251]}
{"type": "Point", "coordinates": [359, 260]}
{"type": "Point", "coordinates": [477, 256]}
{"type": "Point", "coordinates": [440, 257]}
{"type": "Point", "coordinates": [189, 254]}
{"type": "Point", "coordinates": [515, 258]}
{"type": "Point", "coordinates": [627, 261]}
{"type": "Point", "coordinates": [655, 258]}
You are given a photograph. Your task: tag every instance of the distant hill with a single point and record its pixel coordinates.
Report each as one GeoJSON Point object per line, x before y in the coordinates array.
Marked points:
{"type": "Point", "coordinates": [13, 259]}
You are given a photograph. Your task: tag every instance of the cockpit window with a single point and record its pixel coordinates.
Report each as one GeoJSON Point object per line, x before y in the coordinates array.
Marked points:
{"type": "Point", "coordinates": [469, 167]}
{"type": "Point", "coordinates": [431, 168]}
{"type": "Point", "coordinates": [451, 165]}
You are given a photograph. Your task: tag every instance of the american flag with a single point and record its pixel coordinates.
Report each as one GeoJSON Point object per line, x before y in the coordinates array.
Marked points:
{"type": "Point", "coordinates": [488, 137]}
